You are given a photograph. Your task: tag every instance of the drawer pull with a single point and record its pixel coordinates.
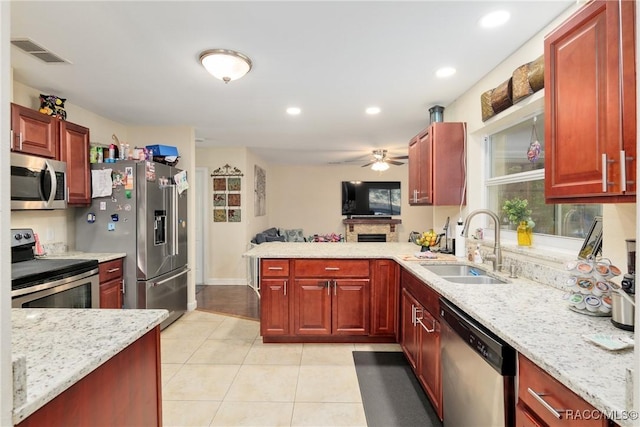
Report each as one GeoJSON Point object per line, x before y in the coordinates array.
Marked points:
{"type": "Point", "coordinates": [113, 270]}
{"type": "Point", "coordinates": [275, 268]}
{"type": "Point", "coordinates": [332, 268]}
{"type": "Point", "coordinates": [538, 396]}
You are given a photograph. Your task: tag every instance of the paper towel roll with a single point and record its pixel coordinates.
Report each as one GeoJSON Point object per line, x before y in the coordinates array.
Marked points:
{"type": "Point", "coordinates": [460, 242]}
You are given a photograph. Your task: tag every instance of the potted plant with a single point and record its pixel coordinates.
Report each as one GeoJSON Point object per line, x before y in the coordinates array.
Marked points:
{"type": "Point", "coordinates": [519, 214]}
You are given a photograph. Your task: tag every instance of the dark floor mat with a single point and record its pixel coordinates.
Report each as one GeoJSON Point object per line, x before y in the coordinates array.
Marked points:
{"type": "Point", "coordinates": [390, 391]}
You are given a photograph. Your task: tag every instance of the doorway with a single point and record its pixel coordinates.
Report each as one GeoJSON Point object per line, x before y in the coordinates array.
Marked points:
{"type": "Point", "coordinates": [201, 191]}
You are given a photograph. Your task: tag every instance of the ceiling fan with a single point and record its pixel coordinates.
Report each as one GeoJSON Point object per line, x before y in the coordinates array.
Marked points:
{"type": "Point", "coordinates": [381, 161]}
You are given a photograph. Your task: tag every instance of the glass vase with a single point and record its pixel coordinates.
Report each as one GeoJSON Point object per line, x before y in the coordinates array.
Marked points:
{"type": "Point", "coordinates": [525, 234]}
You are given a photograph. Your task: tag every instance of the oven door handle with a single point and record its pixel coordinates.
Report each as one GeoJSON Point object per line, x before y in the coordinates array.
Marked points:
{"type": "Point", "coordinates": [49, 285]}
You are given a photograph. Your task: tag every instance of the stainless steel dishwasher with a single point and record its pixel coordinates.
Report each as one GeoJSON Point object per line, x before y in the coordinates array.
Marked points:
{"type": "Point", "coordinates": [478, 371]}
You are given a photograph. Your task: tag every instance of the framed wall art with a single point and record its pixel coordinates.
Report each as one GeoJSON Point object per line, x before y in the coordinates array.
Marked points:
{"type": "Point", "coordinates": [227, 194]}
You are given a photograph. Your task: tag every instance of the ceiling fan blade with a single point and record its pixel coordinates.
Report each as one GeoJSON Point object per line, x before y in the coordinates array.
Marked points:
{"type": "Point", "coordinates": [368, 164]}
{"type": "Point", "coordinates": [398, 157]}
{"type": "Point", "coordinates": [393, 162]}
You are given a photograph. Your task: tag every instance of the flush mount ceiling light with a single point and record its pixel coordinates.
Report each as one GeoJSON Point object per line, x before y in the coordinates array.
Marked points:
{"type": "Point", "coordinates": [373, 111]}
{"type": "Point", "coordinates": [494, 19]}
{"type": "Point", "coordinates": [445, 72]}
{"type": "Point", "coordinates": [293, 111]}
{"type": "Point", "coordinates": [225, 64]}
{"type": "Point", "coordinates": [380, 166]}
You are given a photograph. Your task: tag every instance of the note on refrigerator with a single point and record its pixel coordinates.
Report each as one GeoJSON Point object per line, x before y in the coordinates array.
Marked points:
{"type": "Point", "coordinates": [101, 183]}
{"type": "Point", "coordinates": [181, 181]}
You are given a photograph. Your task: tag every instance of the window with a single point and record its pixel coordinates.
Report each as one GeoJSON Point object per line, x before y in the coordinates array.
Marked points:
{"type": "Point", "coordinates": [516, 169]}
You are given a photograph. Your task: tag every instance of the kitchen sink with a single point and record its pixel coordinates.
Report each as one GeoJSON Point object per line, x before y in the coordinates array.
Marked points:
{"type": "Point", "coordinates": [474, 280]}
{"type": "Point", "coordinates": [454, 270]}
{"type": "Point", "coordinates": [462, 273]}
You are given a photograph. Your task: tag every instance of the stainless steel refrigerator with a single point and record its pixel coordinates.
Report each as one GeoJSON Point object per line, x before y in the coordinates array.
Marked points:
{"type": "Point", "coordinates": [145, 216]}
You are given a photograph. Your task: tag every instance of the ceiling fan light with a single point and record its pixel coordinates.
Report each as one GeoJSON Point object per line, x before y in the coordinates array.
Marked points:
{"type": "Point", "coordinates": [225, 64]}
{"type": "Point", "coordinates": [380, 166]}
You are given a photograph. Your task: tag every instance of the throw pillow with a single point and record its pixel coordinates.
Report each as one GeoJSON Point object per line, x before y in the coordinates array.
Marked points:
{"type": "Point", "coordinates": [271, 231]}
{"type": "Point", "coordinates": [52, 105]}
{"type": "Point", "coordinates": [294, 235]}
{"type": "Point", "coordinates": [275, 239]}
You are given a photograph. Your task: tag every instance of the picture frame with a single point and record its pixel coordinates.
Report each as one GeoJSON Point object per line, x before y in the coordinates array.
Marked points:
{"type": "Point", "coordinates": [592, 244]}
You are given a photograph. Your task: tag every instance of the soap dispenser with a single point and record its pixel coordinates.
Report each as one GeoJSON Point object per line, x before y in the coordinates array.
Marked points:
{"type": "Point", "coordinates": [477, 257]}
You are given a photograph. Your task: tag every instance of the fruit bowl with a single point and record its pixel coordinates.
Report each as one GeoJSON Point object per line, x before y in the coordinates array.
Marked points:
{"type": "Point", "coordinates": [427, 239]}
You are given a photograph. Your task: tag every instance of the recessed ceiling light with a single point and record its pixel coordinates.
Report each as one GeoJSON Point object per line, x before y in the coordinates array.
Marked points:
{"type": "Point", "coordinates": [294, 111]}
{"type": "Point", "coordinates": [494, 19]}
{"type": "Point", "coordinates": [372, 110]}
{"type": "Point", "coordinates": [445, 72]}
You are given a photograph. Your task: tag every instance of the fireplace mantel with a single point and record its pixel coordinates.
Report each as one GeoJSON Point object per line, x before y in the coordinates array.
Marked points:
{"type": "Point", "coordinates": [355, 226]}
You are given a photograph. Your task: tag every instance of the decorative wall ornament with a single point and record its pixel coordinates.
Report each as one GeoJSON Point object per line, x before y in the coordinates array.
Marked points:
{"type": "Point", "coordinates": [525, 81]}
{"type": "Point", "coordinates": [260, 191]}
{"type": "Point", "coordinates": [227, 196]}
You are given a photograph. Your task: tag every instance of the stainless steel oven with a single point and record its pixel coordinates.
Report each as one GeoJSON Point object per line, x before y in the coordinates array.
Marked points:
{"type": "Point", "coordinates": [50, 283]}
{"type": "Point", "coordinates": [80, 291]}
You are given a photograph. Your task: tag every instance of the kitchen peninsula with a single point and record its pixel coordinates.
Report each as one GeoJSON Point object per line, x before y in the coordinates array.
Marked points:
{"type": "Point", "coordinates": [530, 316]}
{"type": "Point", "coordinates": [76, 366]}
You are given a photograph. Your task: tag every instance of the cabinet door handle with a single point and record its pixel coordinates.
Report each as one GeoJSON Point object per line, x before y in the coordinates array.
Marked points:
{"type": "Point", "coordinates": [13, 141]}
{"type": "Point", "coordinates": [413, 315]}
{"type": "Point", "coordinates": [123, 286]}
{"type": "Point", "coordinates": [623, 171]}
{"type": "Point", "coordinates": [285, 288]}
{"type": "Point", "coordinates": [332, 268]}
{"type": "Point", "coordinates": [20, 139]}
{"type": "Point", "coordinates": [538, 396]}
{"type": "Point", "coordinates": [604, 172]}
{"type": "Point", "coordinates": [113, 270]}
{"type": "Point", "coordinates": [433, 327]}
{"type": "Point", "coordinates": [335, 287]}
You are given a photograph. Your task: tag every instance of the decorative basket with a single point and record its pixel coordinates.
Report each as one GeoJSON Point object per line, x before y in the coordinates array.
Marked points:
{"type": "Point", "coordinates": [485, 102]}
{"type": "Point", "coordinates": [501, 96]}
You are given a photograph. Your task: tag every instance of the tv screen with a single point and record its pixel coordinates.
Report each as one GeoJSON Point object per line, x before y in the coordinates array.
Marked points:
{"type": "Point", "coordinates": [370, 198]}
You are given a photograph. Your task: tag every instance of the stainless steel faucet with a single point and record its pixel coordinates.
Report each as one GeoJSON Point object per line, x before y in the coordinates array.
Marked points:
{"type": "Point", "coordinates": [496, 257]}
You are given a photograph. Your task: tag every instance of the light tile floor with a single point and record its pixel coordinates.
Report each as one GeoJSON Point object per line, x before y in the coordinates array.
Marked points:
{"type": "Point", "coordinates": [217, 372]}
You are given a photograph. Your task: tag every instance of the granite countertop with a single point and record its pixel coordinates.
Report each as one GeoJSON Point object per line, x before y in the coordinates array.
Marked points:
{"type": "Point", "coordinates": [54, 348]}
{"type": "Point", "coordinates": [99, 256]}
{"type": "Point", "coordinates": [532, 317]}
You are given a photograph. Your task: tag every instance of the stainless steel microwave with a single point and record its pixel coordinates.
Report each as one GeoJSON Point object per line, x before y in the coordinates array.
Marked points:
{"type": "Point", "coordinates": [37, 183]}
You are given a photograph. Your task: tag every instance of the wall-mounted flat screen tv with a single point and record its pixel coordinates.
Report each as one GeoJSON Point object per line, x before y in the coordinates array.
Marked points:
{"type": "Point", "coordinates": [370, 198]}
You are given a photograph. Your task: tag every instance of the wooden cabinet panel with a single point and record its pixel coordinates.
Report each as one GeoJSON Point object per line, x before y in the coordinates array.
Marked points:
{"type": "Point", "coordinates": [331, 268]}
{"type": "Point", "coordinates": [524, 418]}
{"type": "Point", "coordinates": [111, 294]}
{"type": "Point", "coordinates": [350, 307]}
{"type": "Point", "coordinates": [33, 132]}
{"type": "Point", "coordinates": [409, 334]}
{"type": "Point", "coordinates": [420, 335]}
{"type": "Point", "coordinates": [428, 369]}
{"type": "Point", "coordinates": [384, 297]}
{"type": "Point", "coordinates": [533, 380]}
{"type": "Point", "coordinates": [312, 307]}
{"type": "Point", "coordinates": [275, 267]}
{"type": "Point", "coordinates": [111, 276]}
{"type": "Point", "coordinates": [74, 150]}
{"type": "Point", "coordinates": [436, 165]}
{"type": "Point", "coordinates": [274, 307]}
{"type": "Point", "coordinates": [590, 106]}
{"type": "Point", "coordinates": [124, 391]}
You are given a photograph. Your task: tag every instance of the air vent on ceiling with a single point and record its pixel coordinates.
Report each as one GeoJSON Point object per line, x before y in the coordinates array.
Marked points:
{"type": "Point", "coordinates": [38, 51]}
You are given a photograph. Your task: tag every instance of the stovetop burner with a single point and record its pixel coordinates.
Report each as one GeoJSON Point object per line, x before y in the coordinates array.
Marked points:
{"type": "Point", "coordinates": [27, 271]}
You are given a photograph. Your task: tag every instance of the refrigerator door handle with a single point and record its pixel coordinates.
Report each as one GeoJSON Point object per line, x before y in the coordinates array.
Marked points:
{"type": "Point", "coordinates": [174, 208]}
{"type": "Point", "coordinates": [185, 271]}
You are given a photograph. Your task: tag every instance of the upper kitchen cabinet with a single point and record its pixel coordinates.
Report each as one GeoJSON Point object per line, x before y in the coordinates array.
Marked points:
{"type": "Point", "coordinates": [590, 106]}
{"type": "Point", "coordinates": [74, 150]}
{"type": "Point", "coordinates": [436, 165]}
{"type": "Point", "coordinates": [33, 132]}
{"type": "Point", "coordinates": [46, 136]}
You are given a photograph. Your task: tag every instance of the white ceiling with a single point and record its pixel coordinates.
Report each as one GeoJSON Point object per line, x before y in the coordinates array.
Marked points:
{"type": "Point", "coordinates": [137, 63]}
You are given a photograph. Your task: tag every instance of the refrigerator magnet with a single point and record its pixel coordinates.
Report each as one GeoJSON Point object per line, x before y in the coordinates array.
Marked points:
{"type": "Point", "coordinates": [91, 217]}
{"type": "Point", "coordinates": [111, 226]}
{"type": "Point", "coordinates": [128, 179]}
{"type": "Point", "coordinates": [115, 218]}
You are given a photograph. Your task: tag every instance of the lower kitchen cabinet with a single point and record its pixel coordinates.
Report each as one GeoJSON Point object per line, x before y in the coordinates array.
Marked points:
{"type": "Point", "coordinates": [274, 297]}
{"type": "Point", "coordinates": [329, 300]}
{"type": "Point", "coordinates": [545, 402]}
{"type": "Point", "coordinates": [126, 390]}
{"type": "Point", "coordinates": [111, 283]}
{"type": "Point", "coordinates": [420, 335]}
{"type": "Point", "coordinates": [384, 297]}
